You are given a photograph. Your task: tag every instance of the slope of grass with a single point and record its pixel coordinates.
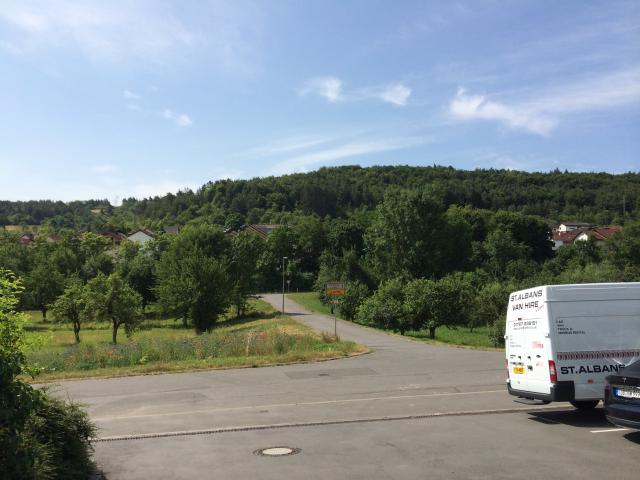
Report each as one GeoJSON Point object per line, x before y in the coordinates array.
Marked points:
{"type": "Point", "coordinates": [263, 338]}
{"type": "Point", "coordinates": [311, 302]}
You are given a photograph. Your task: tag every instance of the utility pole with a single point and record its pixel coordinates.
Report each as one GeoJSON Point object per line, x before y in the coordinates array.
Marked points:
{"type": "Point", "coordinates": [283, 259]}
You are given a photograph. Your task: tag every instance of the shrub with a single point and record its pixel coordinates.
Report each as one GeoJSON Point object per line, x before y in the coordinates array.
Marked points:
{"type": "Point", "coordinates": [40, 437]}
{"type": "Point", "coordinates": [384, 309]}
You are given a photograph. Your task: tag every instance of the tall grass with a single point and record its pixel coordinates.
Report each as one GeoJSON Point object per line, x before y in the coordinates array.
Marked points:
{"type": "Point", "coordinates": [214, 345]}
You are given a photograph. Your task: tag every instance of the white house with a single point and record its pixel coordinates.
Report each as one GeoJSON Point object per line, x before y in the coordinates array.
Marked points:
{"type": "Point", "coordinates": [570, 226]}
{"type": "Point", "coordinates": [142, 236]}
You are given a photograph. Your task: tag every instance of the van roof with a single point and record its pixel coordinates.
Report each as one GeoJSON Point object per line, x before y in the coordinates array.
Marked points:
{"type": "Point", "coordinates": [593, 291]}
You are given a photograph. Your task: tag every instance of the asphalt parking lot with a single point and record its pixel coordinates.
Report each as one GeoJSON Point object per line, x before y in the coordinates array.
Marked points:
{"type": "Point", "coordinates": [406, 410]}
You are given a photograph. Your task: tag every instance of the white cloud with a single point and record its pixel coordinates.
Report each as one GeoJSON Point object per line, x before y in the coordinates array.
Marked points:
{"type": "Point", "coordinates": [287, 145]}
{"type": "Point", "coordinates": [105, 30]}
{"type": "Point", "coordinates": [128, 94]}
{"type": "Point", "coordinates": [327, 87]}
{"type": "Point", "coordinates": [542, 112]}
{"type": "Point", "coordinates": [397, 94]}
{"type": "Point", "coordinates": [180, 119]}
{"type": "Point", "coordinates": [331, 89]}
{"type": "Point", "coordinates": [306, 161]}
{"type": "Point", "coordinates": [472, 107]}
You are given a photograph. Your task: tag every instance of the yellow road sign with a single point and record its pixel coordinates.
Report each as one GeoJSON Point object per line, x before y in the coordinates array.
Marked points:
{"type": "Point", "coordinates": [335, 289]}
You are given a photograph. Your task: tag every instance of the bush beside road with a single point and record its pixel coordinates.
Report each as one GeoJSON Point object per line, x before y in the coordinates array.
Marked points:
{"type": "Point", "coordinates": [460, 336]}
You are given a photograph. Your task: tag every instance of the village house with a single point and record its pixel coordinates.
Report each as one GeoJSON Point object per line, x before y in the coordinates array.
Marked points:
{"type": "Point", "coordinates": [115, 237]}
{"type": "Point", "coordinates": [570, 234]}
{"type": "Point", "coordinates": [571, 226]}
{"type": "Point", "coordinates": [142, 235]}
{"type": "Point", "coordinates": [262, 230]}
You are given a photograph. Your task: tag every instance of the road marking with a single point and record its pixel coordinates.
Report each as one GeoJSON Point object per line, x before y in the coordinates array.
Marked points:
{"type": "Point", "coordinates": [610, 430]}
{"type": "Point", "coordinates": [298, 404]}
{"type": "Point", "coordinates": [248, 428]}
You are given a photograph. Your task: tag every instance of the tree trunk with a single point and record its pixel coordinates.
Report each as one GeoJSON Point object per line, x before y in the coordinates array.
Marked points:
{"type": "Point", "coordinates": [432, 332]}
{"type": "Point", "coordinates": [76, 331]}
{"type": "Point", "coordinates": [115, 332]}
{"type": "Point", "coordinates": [44, 313]}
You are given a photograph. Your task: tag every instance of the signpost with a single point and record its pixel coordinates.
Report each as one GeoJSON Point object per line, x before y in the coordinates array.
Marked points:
{"type": "Point", "coordinates": [334, 290]}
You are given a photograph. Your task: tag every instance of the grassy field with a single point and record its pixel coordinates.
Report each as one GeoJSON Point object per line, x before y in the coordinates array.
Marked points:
{"type": "Point", "coordinates": [311, 302]}
{"type": "Point", "coordinates": [263, 338]}
{"type": "Point", "coordinates": [479, 338]}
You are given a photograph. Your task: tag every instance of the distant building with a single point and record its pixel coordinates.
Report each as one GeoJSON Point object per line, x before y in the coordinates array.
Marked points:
{"type": "Point", "coordinates": [571, 226]}
{"type": "Point", "coordinates": [599, 234]}
{"type": "Point", "coordinates": [171, 230]}
{"type": "Point", "coordinates": [115, 237]}
{"type": "Point", "coordinates": [262, 230]}
{"type": "Point", "coordinates": [581, 234]}
{"type": "Point", "coordinates": [27, 239]}
{"type": "Point", "coordinates": [142, 236]}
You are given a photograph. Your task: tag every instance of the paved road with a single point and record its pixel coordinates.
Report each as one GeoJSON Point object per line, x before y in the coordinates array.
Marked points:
{"type": "Point", "coordinates": [406, 410]}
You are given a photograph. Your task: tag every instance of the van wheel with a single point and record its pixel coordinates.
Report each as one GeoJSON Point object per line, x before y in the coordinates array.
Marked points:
{"type": "Point", "coordinates": [585, 404]}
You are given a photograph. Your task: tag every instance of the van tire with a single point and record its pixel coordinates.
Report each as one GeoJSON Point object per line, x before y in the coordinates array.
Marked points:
{"type": "Point", "coordinates": [585, 405]}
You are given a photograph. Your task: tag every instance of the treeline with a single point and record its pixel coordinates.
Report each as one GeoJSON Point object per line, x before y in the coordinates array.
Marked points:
{"type": "Point", "coordinates": [419, 264]}
{"type": "Point", "coordinates": [598, 198]}
{"type": "Point", "coordinates": [55, 214]}
{"type": "Point", "coordinates": [194, 276]}
{"type": "Point", "coordinates": [415, 262]}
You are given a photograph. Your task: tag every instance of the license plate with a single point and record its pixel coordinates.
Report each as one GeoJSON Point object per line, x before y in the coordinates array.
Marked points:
{"type": "Point", "coordinates": [519, 370]}
{"type": "Point", "coordinates": [627, 392]}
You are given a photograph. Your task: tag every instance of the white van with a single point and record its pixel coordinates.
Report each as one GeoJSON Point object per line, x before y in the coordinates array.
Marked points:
{"type": "Point", "coordinates": [563, 340]}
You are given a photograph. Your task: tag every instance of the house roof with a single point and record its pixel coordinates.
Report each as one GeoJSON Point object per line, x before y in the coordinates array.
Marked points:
{"type": "Point", "coordinates": [262, 229]}
{"type": "Point", "coordinates": [603, 233]}
{"type": "Point", "coordinates": [567, 237]}
{"type": "Point", "coordinates": [598, 233]}
{"type": "Point", "coordinates": [26, 238]}
{"type": "Point", "coordinates": [147, 231]}
{"type": "Point", "coordinates": [114, 236]}
{"type": "Point", "coordinates": [171, 229]}
{"type": "Point", "coordinates": [575, 224]}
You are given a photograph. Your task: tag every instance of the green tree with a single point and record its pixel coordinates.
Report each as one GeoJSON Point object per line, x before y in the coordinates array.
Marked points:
{"type": "Point", "coordinates": [624, 250]}
{"type": "Point", "coordinates": [412, 236]}
{"type": "Point", "coordinates": [245, 252]}
{"type": "Point", "coordinates": [433, 303]}
{"type": "Point", "coordinates": [95, 259]}
{"type": "Point", "coordinates": [501, 249]}
{"type": "Point", "coordinates": [71, 306]}
{"type": "Point", "coordinates": [43, 284]}
{"type": "Point", "coordinates": [17, 398]}
{"type": "Point", "coordinates": [384, 309]}
{"type": "Point", "coordinates": [137, 265]}
{"type": "Point", "coordinates": [193, 277]}
{"type": "Point", "coordinates": [280, 243]}
{"type": "Point", "coordinates": [355, 294]}
{"type": "Point", "coordinates": [112, 299]}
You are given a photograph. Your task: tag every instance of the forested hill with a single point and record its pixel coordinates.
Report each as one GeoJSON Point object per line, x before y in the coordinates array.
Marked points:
{"type": "Point", "coordinates": [598, 198]}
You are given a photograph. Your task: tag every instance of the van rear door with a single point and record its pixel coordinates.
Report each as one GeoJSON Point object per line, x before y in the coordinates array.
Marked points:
{"type": "Point", "coordinates": [528, 344]}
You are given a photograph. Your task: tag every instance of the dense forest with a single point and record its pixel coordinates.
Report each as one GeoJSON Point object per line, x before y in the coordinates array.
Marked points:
{"type": "Point", "coordinates": [598, 198]}
{"type": "Point", "coordinates": [418, 248]}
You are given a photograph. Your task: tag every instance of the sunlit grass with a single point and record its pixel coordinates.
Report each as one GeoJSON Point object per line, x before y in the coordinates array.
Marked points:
{"type": "Point", "coordinates": [263, 338]}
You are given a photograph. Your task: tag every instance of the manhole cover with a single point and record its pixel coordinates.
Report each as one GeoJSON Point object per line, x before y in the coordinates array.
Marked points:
{"type": "Point", "coordinates": [277, 451]}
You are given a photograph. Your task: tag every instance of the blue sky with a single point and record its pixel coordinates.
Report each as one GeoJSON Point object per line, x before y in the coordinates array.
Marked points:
{"type": "Point", "coordinates": [113, 99]}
